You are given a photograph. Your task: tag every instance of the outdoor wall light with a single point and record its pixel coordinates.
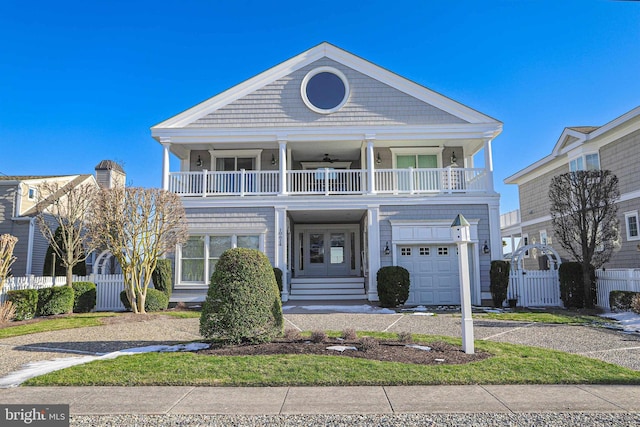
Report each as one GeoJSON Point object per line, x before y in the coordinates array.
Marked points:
{"type": "Point", "coordinates": [453, 157]}
{"type": "Point", "coordinates": [387, 251]}
{"type": "Point", "coordinates": [273, 159]}
{"type": "Point", "coordinates": [485, 248]}
{"type": "Point", "coordinates": [199, 161]}
{"type": "Point", "coordinates": [378, 159]}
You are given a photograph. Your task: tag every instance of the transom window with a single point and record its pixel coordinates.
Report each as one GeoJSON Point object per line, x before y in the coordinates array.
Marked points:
{"type": "Point", "coordinates": [443, 251]}
{"type": "Point", "coordinates": [587, 162]}
{"type": "Point", "coordinates": [405, 251]}
{"type": "Point", "coordinates": [631, 220]}
{"type": "Point", "coordinates": [424, 251]}
{"type": "Point", "coordinates": [197, 249]}
{"type": "Point", "coordinates": [324, 90]}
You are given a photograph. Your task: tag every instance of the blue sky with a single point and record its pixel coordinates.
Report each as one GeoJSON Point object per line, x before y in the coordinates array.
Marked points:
{"type": "Point", "coordinates": [82, 81]}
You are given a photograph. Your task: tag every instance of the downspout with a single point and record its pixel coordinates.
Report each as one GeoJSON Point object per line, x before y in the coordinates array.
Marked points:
{"type": "Point", "coordinates": [30, 246]}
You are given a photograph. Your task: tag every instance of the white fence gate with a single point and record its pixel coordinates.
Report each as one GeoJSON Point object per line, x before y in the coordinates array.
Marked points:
{"type": "Point", "coordinates": [535, 288]}
{"type": "Point", "coordinates": [108, 287]}
{"type": "Point", "coordinates": [618, 279]}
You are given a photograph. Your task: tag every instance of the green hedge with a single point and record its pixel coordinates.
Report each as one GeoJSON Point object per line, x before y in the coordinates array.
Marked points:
{"type": "Point", "coordinates": [25, 302]}
{"type": "Point", "coordinates": [499, 275]}
{"type": "Point", "coordinates": [156, 300]}
{"type": "Point", "coordinates": [393, 286]}
{"type": "Point", "coordinates": [55, 300]}
{"type": "Point", "coordinates": [572, 285]}
{"type": "Point", "coordinates": [243, 303]}
{"type": "Point", "coordinates": [278, 273]}
{"type": "Point", "coordinates": [84, 298]}
{"type": "Point", "coordinates": [621, 300]}
{"type": "Point", "coordinates": [162, 277]}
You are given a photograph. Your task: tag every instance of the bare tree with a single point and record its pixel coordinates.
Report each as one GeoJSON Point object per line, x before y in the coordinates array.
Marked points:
{"type": "Point", "coordinates": [584, 218]}
{"type": "Point", "coordinates": [7, 244]}
{"type": "Point", "coordinates": [65, 209]}
{"type": "Point", "coordinates": [138, 226]}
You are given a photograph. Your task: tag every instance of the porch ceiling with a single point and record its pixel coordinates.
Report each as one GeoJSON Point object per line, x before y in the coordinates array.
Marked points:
{"type": "Point", "coordinates": [334, 216]}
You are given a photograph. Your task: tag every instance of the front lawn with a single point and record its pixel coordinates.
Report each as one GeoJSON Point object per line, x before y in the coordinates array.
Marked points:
{"type": "Point", "coordinates": [510, 364]}
{"type": "Point", "coordinates": [562, 317]}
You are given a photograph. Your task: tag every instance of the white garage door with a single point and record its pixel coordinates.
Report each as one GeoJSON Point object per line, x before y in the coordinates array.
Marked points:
{"type": "Point", "coordinates": [434, 273]}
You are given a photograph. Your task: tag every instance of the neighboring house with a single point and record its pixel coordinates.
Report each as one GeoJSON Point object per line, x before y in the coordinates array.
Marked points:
{"type": "Point", "coordinates": [615, 147]}
{"type": "Point", "coordinates": [334, 167]}
{"type": "Point", "coordinates": [18, 209]}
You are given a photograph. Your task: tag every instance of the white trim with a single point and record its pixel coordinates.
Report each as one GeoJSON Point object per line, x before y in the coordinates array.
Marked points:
{"type": "Point", "coordinates": [313, 73]}
{"type": "Point", "coordinates": [30, 247]}
{"type": "Point", "coordinates": [632, 214]}
{"type": "Point", "coordinates": [345, 58]}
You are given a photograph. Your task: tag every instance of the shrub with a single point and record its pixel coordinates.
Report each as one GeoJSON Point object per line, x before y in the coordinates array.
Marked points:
{"type": "Point", "coordinates": [635, 303]}
{"type": "Point", "coordinates": [318, 336]}
{"type": "Point", "coordinates": [499, 274]}
{"type": "Point", "coordinates": [278, 273]}
{"type": "Point", "coordinates": [291, 334]}
{"type": "Point", "coordinates": [621, 300]}
{"type": "Point", "coordinates": [7, 312]}
{"type": "Point", "coordinates": [393, 286]}
{"type": "Point", "coordinates": [572, 285]}
{"type": "Point", "coordinates": [156, 300]}
{"type": "Point", "coordinates": [25, 302]}
{"type": "Point", "coordinates": [368, 343]}
{"type": "Point", "coordinates": [349, 334]}
{"type": "Point", "coordinates": [84, 296]}
{"type": "Point", "coordinates": [243, 303]}
{"type": "Point", "coordinates": [55, 300]}
{"type": "Point", "coordinates": [405, 337]}
{"type": "Point", "coordinates": [162, 277]}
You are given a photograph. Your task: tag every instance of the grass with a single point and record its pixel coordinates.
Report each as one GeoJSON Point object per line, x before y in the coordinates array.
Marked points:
{"type": "Point", "coordinates": [565, 318]}
{"type": "Point", "coordinates": [80, 320]}
{"type": "Point", "coordinates": [510, 364]}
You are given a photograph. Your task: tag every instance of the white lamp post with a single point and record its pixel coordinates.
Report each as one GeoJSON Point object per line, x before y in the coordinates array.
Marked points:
{"type": "Point", "coordinates": [461, 235]}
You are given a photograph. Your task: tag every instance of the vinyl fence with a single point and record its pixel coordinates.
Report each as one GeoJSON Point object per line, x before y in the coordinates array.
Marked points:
{"type": "Point", "coordinates": [617, 279]}
{"type": "Point", "coordinates": [535, 288]}
{"type": "Point", "coordinates": [108, 287]}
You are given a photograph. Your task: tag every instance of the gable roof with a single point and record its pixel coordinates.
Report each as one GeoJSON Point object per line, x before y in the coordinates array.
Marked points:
{"type": "Point", "coordinates": [571, 138]}
{"type": "Point", "coordinates": [77, 181]}
{"type": "Point", "coordinates": [325, 50]}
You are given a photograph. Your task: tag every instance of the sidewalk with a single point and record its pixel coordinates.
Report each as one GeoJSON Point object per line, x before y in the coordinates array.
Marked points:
{"type": "Point", "coordinates": [332, 400]}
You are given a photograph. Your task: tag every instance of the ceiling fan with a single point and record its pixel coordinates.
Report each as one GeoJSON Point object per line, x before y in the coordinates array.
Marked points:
{"type": "Point", "coordinates": [328, 159]}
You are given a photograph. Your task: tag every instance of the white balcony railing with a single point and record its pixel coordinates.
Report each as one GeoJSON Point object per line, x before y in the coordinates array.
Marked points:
{"type": "Point", "coordinates": [329, 181]}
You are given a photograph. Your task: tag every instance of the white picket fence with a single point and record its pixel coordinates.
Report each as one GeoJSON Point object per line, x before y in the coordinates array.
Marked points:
{"type": "Point", "coordinates": [617, 279]}
{"type": "Point", "coordinates": [535, 288]}
{"type": "Point", "coordinates": [108, 287]}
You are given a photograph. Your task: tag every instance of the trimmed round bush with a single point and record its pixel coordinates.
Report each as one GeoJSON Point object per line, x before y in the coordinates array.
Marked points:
{"type": "Point", "coordinates": [393, 286]}
{"type": "Point", "coordinates": [55, 300]}
{"type": "Point", "coordinates": [243, 302]}
{"type": "Point", "coordinates": [162, 277]}
{"type": "Point", "coordinates": [25, 302]}
{"type": "Point", "coordinates": [156, 300]}
{"type": "Point", "coordinates": [278, 273]}
{"type": "Point", "coordinates": [499, 275]}
{"type": "Point", "coordinates": [84, 298]}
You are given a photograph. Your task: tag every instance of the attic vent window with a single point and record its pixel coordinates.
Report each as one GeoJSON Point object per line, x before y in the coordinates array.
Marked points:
{"type": "Point", "coordinates": [324, 90]}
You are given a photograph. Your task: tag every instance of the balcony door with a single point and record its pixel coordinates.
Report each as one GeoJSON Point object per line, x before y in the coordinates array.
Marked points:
{"type": "Point", "coordinates": [327, 252]}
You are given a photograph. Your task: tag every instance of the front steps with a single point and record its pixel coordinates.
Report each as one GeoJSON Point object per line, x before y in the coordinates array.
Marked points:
{"type": "Point", "coordinates": [327, 288]}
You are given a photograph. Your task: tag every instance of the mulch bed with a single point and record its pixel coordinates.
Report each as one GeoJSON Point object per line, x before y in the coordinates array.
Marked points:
{"type": "Point", "coordinates": [390, 351]}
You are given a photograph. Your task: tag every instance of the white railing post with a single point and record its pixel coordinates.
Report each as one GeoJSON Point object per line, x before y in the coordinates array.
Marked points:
{"type": "Point", "coordinates": [242, 181]}
{"type": "Point", "coordinates": [411, 180]}
{"type": "Point", "coordinates": [204, 182]}
{"type": "Point", "coordinates": [326, 181]}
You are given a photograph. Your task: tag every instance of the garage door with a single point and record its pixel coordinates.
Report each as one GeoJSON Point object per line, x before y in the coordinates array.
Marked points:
{"type": "Point", "coordinates": [434, 273]}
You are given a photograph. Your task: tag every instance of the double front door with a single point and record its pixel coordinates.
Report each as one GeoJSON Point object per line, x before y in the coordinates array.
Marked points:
{"type": "Point", "coordinates": [329, 251]}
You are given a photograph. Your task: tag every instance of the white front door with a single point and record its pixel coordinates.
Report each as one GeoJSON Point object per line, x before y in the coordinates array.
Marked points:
{"type": "Point", "coordinates": [327, 252]}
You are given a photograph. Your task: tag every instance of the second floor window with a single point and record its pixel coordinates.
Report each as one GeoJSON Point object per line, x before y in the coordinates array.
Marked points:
{"type": "Point", "coordinates": [588, 162]}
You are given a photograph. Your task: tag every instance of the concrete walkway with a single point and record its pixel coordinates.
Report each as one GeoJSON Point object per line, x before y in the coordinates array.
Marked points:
{"type": "Point", "coordinates": [332, 400]}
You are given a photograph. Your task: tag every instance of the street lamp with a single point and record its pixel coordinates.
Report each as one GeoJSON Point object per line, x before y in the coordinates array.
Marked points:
{"type": "Point", "coordinates": [461, 235]}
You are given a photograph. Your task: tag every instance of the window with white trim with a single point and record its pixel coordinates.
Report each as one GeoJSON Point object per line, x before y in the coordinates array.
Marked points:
{"type": "Point", "coordinates": [209, 247]}
{"type": "Point", "coordinates": [587, 162]}
{"type": "Point", "coordinates": [543, 237]}
{"type": "Point", "coordinates": [631, 222]}
{"type": "Point", "coordinates": [33, 193]}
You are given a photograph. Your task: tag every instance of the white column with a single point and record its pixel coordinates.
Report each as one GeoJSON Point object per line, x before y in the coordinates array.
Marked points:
{"type": "Point", "coordinates": [373, 228]}
{"type": "Point", "coordinates": [281, 249]}
{"type": "Point", "coordinates": [30, 247]}
{"type": "Point", "coordinates": [495, 242]}
{"type": "Point", "coordinates": [166, 143]}
{"type": "Point", "coordinates": [370, 165]}
{"type": "Point", "coordinates": [212, 156]}
{"type": "Point", "coordinates": [282, 165]}
{"type": "Point", "coordinates": [488, 164]}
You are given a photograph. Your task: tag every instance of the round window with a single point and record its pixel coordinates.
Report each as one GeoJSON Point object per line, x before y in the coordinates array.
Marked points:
{"type": "Point", "coordinates": [325, 90]}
